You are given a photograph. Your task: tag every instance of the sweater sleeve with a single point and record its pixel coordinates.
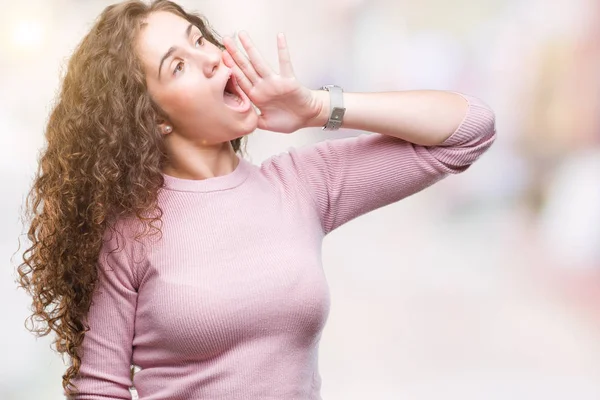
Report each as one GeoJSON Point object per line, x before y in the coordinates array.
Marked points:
{"type": "Point", "coordinates": [352, 176]}
{"type": "Point", "coordinates": [106, 350]}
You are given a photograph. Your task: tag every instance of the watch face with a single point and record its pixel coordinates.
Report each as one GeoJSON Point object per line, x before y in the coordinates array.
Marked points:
{"type": "Point", "coordinates": [337, 113]}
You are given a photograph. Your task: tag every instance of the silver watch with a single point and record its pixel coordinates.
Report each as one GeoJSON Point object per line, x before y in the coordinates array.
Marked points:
{"type": "Point", "coordinates": [336, 101]}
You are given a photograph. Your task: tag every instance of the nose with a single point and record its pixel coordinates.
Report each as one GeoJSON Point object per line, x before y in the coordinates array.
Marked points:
{"type": "Point", "coordinates": [212, 61]}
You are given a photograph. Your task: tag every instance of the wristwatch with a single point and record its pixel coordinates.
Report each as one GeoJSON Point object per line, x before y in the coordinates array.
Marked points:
{"type": "Point", "coordinates": [336, 100]}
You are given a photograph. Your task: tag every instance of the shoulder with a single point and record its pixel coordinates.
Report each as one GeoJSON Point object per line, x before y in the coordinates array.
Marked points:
{"type": "Point", "coordinates": [124, 247]}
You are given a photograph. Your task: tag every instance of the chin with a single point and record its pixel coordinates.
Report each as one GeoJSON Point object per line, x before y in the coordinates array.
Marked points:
{"type": "Point", "coordinates": [249, 124]}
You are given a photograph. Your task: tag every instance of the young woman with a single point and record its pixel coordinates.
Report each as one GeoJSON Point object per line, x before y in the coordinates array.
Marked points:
{"type": "Point", "coordinates": [229, 300]}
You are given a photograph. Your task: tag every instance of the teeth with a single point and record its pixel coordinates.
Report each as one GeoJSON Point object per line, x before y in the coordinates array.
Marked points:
{"type": "Point", "coordinates": [235, 96]}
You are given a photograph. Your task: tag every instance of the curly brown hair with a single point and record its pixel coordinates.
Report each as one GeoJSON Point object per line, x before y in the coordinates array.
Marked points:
{"type": "Point", "coordinates": [102, 163]}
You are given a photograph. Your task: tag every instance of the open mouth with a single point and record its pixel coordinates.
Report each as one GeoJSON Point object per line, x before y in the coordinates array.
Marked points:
{"type": "Point", "coordinates": [233, 96]}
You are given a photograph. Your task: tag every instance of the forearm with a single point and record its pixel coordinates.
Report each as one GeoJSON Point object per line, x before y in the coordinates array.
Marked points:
{"type": "Point", "coordinates": [424, 117]}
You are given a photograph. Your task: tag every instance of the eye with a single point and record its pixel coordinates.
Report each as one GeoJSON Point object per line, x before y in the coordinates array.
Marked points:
{"type": "Point", "coordinates": [177, 69]}
{"type": "Point", "coordinates": [179, 66]}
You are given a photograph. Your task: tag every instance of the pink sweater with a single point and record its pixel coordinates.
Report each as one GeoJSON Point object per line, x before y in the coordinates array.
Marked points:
{"type": "Point", "coordinates": [231, 302]}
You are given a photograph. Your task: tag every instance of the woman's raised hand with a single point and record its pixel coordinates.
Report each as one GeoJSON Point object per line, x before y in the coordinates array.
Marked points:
{"type": "Point", "coordinates": [285, 104]}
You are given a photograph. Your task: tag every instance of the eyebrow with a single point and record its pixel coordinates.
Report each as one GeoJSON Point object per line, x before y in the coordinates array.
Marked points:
{"type": "Point", "coordinates": [173, 49]}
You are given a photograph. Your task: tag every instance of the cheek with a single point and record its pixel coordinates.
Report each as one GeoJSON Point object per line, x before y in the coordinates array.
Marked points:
{"type": "Point", "coordinates": [190, 95]}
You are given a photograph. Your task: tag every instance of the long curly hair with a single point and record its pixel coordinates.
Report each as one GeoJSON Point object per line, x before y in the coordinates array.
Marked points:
{"type": "Point", "coordinates": [102, 163]}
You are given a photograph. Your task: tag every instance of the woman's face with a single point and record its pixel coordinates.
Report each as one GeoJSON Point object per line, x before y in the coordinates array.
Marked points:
{"type": "Point", "coordinates": [186, 76]}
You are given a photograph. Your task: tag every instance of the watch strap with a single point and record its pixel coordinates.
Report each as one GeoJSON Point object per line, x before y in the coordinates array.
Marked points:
{"type": "Point", "coordinates": [337, 109]}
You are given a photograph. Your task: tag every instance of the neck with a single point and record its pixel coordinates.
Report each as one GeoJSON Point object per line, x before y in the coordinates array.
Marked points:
{"type": "Point", "coordinates": [192, 161]}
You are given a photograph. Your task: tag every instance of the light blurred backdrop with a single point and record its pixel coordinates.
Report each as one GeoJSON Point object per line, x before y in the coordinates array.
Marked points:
{"type": "Point", "coordinates": [485, 286]}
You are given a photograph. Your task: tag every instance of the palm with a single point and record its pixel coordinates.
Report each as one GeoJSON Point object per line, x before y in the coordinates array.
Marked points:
{"type": "Point", "coordinates": [285, 104]}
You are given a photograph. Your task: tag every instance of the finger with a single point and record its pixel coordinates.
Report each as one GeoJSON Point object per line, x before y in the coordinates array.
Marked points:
{"type": "Point", "coordinates": [257, 60]}
{"type": "Point", "coordinates": [285, 62]}
{"type": "Point", "coordinates": [242, 80]}
{"type": "Point", "coordinates": [240, 59]}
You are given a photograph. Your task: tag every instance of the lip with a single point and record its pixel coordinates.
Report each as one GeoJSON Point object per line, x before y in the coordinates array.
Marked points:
{"type": "Point", "coordinates": [246, 103]}
{"type": "Point", "coordinates": [227, 76]}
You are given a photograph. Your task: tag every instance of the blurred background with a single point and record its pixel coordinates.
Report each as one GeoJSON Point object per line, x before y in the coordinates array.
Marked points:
{"type": "Point", "coordinates": [486, 285]}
